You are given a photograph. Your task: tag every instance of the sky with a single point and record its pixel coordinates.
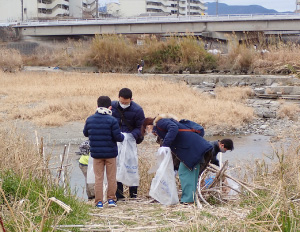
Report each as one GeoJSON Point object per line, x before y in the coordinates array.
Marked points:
{"type": "Point", "coordinates": [278, 5]}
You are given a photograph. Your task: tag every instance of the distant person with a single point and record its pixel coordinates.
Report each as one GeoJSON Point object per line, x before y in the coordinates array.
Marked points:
{"type": "Point", "coordinates": [143, 65]}
{"type": "Point", "coordinates": [193, 151]}
{"type": "Point", "coordinates": [130, 117]}
{"type": "Point", "coordinates": [139, 68]}
{"type": "Point", "coordinates": [83, 165]}
{"type": "Point", "coordinates": [220, 146]}
{"type": "Point", "coordinates": [104, 133]}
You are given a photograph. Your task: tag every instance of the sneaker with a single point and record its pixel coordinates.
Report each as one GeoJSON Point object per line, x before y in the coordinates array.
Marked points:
{"type": "Point", "coordinates": [112, 203]}
{"type": "Point", "coordinates": [100, 205]}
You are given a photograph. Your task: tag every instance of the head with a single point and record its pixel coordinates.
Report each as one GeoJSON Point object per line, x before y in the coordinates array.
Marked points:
{"type": "Point", "coordinates": [225, 145]}
{"type": "Point", "coordinates": [125, 97]}
{"type": "Point", "coordinates": [104, 101]}
{"type": "Point", "coordinates": [147, 126]}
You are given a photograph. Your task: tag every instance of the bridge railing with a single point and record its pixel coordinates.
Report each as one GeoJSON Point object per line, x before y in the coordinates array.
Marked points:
{"type": "Point", "coordinates": [150, 19]}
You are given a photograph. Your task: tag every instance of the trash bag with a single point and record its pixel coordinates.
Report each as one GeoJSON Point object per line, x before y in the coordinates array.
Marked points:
{"type": "Point", "coordinates": [127, 161]}
{"type": "Point", "coordinates": [90, 172]}
{"type": "Point", "coordinates": [163, 185]}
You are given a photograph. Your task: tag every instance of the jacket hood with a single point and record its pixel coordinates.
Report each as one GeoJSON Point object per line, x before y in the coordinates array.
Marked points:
{"type": "Point", "coordinates": [161, 116]}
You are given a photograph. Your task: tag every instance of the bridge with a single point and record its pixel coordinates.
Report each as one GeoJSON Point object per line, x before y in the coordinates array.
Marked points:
{"type": "Point", "coordinates": [205, 25]}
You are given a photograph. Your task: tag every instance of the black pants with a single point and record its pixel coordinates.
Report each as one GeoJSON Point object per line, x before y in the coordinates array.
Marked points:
{"type": "Point", "coordinates": [132, 191]}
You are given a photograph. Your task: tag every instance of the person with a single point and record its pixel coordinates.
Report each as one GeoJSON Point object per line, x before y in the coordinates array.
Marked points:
{"type": "Point", "coordinates": [139, 68]}
{"type": "Point", "coordinates": [142, 64]}
{"type": "Point", "coordinates": [220, 146]}
{"type": "Point", "coordinates": [104, 133]}
{"type": "Point", "coordinates": [193, 151]}
{"type": "Point", "coordinates": [130, 117]}
{"type": "Point", "coordinates": [83, 165]}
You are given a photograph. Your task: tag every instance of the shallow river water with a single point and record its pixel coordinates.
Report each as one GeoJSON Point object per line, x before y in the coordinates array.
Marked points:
{"type": "Point", "coordinates": [247, 149]}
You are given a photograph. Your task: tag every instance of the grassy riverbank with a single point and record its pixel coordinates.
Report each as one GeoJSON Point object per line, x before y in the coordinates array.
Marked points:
{"type": "Point", "coordinates": [116, 53]}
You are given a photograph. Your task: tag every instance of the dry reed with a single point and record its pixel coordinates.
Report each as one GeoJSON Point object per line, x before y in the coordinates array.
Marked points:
{"type": "Point", "coordinates": [54, 99]}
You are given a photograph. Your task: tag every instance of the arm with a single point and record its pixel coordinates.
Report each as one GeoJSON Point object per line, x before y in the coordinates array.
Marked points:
{"type": "Point", "coordinates": [214, 160]}
{"type": "Point", "coordinates": [85, 130]}
{"type": "Point", "coordinates": [139, 119]}
{"type": "Point", "coordinates": [116, 132]}
{"type": "Point", "coordinates": [171, 131]}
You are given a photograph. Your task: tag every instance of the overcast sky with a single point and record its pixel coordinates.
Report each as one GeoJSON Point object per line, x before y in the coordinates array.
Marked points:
{"type": "Point", "coordinates": [279, 5]}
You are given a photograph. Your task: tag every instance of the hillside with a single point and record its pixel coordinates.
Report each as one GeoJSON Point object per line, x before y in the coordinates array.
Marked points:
{"type": "Point", "coordinates": [236, 9]}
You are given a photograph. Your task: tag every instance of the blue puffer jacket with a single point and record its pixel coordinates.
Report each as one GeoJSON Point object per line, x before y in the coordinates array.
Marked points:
{"type": "Point", "coordinates": [188, 146]}
{"type": "Point", "coordinates": [134, 115]}
{"type": "Point", "coordinates": [104, 133]}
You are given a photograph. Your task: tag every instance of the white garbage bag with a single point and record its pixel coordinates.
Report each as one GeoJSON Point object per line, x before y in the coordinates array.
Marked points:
{"type": "Point", "coordinates": [163, 186]}
{"type": "Point", "coordinates": [90, 179]}
{"type": "Point", "coordinates": [127, 161]}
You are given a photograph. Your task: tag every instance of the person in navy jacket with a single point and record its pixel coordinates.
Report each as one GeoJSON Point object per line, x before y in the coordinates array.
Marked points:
{"type": "Point", "coordinates": [130, 117]}
{"type": "Point", "coordinates": [193, 151]}
{"type": "Point", "coordinates": [104, 133]}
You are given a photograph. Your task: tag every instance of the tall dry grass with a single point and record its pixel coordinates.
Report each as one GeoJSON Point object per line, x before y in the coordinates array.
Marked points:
{"type": "Point", "coordinates": [52, 99]}
{"type": "Point", "coordinates": [10, 60]}
{"type": "Point", "coordinates": [26, 186]}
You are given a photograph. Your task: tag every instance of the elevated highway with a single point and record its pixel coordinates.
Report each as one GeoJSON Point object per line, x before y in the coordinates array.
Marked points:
{"type": "Point", "coordinates": [207, 26]}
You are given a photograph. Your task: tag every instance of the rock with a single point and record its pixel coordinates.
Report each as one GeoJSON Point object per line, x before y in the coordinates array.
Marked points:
{"type": "Point", "coordinates": [259, 90]}
{"type": "Point", "coordinates": [209, 84]}
{"type": "Point", "coordinates": [263, 127]}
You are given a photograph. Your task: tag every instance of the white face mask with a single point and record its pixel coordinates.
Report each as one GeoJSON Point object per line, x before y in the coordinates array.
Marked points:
{"type": "Point", "coordinates": [124, 106]}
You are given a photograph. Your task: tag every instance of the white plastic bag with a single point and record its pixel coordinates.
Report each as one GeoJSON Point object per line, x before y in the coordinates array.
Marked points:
{"type": "Point", "coordinates": [127, 161]}
{"type": "Point", "coordinates": [90, 171]}
{"type": "Point", "coordinates": [90, 179]}
{"type": "Point", "coordinates": [163, 186]}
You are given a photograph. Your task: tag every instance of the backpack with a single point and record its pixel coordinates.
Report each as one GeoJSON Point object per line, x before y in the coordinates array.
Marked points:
{"type": "Point", "coordinates": [194, 127]}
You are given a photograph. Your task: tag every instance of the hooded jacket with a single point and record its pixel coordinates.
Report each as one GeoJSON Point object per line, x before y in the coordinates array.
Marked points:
{"type": "Point", "coordinates": [134, 115]}
{"type": "Point", "coordinates": [104, 133]}
{"type": "Point", "coordinates": [188, 146]}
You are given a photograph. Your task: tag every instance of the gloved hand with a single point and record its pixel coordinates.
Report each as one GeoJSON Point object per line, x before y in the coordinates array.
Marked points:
{"type": "Point", "coordinates": [163, 150]}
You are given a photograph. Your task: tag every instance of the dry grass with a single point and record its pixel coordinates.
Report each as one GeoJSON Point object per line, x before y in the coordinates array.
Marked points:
{"type": "Point", "coordinates": [10, 60]}
{"type": "Point", "coordinates": [288, 110]}
{"type": "Point", "coordinates": [53, 99]}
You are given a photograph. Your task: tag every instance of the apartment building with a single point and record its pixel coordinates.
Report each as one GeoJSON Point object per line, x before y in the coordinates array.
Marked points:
{"type": "Point", "coordinates": [130, 8]}
{"type": "Point", "coordinates": [22, 10]}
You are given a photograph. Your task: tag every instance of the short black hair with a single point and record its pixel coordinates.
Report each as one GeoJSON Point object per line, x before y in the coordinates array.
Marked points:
{"type": "Point", "coordinates": [228, 144]}
{"type": "Point", "coordinates": [104, 101]}
{"type": "Point", "coordinates": [125, 93]}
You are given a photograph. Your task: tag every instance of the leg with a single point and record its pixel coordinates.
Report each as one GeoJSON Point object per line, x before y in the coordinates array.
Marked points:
{"type": "Point", "coordinates": [119, 192]}
{"type": "Point", "coordinates": [188, 181]}
{"type": "Point", "coordinates": [111, 171]}
{"type": "Point", "coordinates": [133, 191]}
{"type": "Point", "coordinates": [98, 165]}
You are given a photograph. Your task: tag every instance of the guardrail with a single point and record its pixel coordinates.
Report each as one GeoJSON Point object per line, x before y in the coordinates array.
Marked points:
{"type": "Point", "coordinates": [149, 19]}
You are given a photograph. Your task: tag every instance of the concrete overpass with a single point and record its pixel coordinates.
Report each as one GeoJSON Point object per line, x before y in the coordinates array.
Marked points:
{"type": "Point", "coordinates": [206, 25]}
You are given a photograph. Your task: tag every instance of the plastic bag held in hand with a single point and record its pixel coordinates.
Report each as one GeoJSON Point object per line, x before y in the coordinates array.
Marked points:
{"type": "Point", "coordinates": [163, 186]}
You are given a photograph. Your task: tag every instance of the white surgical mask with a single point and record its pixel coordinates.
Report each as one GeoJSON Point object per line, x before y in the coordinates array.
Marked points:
{"type": "Point", "coordinates": [124, 106]}
{"type": "Point", "coordinates": [222, 149]}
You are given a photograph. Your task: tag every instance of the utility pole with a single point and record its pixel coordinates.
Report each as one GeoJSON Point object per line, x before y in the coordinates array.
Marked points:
{"type": "Point", "coordinates": [97, 9]}
{"type": "Point", "coordinates": [22, 8]}
{"type": "Point", "coordinates": [217, 3]}
{"type": "Point", "coordinates": [177, 8]}
{"type": "Point", "coordinates": [189, 7]}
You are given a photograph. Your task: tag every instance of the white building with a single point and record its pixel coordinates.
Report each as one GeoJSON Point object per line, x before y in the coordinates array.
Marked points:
{"type": "Point", "coordinates": [130, 8]}
{"type": "Point", "coordinates": [18, 10]}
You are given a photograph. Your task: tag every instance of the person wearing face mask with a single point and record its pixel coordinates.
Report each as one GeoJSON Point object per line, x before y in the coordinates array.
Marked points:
{"type": "Point", "coordinates": [130, 117]}
{"type": "Point", "coordinates": [220, 146]}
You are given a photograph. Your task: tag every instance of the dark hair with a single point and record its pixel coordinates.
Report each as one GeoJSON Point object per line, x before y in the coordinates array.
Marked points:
{"type": "Point", "coordinates": [125, 93]}
{"type": "Point", "coordinates": [228, 144]}
{"type": "Point", "coordinates": [104, 101]}
{"type": "Point", "coordinates": [147, 121]}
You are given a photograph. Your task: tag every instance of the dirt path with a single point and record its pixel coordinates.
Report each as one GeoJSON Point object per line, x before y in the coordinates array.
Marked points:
{"type": "Point", "coordinates": [146, 215]}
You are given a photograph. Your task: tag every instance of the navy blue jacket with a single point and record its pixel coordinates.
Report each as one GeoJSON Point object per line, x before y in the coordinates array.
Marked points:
{"type": "Point", "coordinates": [188, 146]}
{"type": "Point", "coordinates": [134, 115]}
{"type": "Point", "coordinates": [215, 151]}
{"type": "Point", "coordinates": [104, 133]}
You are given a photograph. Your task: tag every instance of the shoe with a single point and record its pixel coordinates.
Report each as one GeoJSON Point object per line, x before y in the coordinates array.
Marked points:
{"type": "Point", "coordinates": [100, 205]}
{"type": "Point", "coordinates": [112, 203]}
